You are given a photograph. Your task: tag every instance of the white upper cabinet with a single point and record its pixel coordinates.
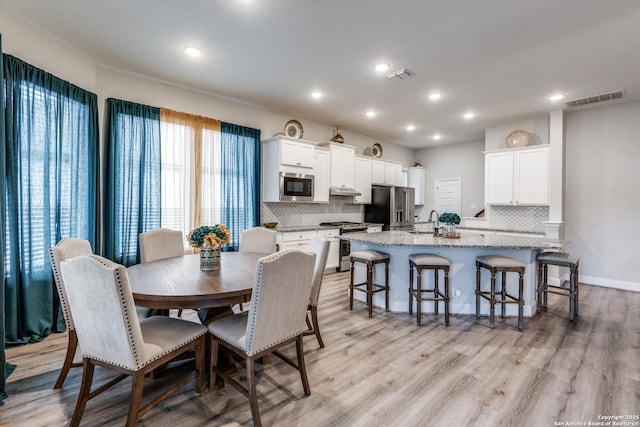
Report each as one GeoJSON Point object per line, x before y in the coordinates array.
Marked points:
{"type": "Point", "coordinates": [342, 159]}
{"type": "Point", "coordinates": [296, 153]}
{"type": "Point", "coordinates": [321, 176]}
{"type": "Point", "coordinates": [386, 173]}
{"type": "Point", "coordinates": [517, 177]}
{"type": "Point", "coordinates": [417, 177]}
{"type": "Point", "coordinates": [363, 179]}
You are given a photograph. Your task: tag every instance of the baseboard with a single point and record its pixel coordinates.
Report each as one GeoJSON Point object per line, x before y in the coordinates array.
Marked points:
{"type": "Point", "coordinates": [609, 283]}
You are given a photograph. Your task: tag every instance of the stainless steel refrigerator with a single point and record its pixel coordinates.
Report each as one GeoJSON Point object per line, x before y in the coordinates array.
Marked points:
{"type": "Point", "coordinates": [393, 207]}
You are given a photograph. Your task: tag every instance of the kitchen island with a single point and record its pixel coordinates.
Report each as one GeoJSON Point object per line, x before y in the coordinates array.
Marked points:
{"type": "Point", "coordinates": [462, 253]}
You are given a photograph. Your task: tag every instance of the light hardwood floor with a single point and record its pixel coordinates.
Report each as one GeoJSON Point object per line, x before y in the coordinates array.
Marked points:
{"type": "Point", "coordinates": [387, 371]}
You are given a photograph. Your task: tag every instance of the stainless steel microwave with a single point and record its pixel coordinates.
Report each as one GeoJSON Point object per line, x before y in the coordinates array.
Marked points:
{"type": "Point", "coordinates": [295, 187]}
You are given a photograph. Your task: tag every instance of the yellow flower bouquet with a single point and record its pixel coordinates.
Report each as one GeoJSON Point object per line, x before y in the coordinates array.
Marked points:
{"type": "Point", "coordinates": [209, 236]}
{"type": "Point", "coordinates": [209, 239]}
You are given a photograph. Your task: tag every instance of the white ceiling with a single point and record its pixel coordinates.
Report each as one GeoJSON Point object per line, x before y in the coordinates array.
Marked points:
{"type": "Point", "coordinates": [500, 59]}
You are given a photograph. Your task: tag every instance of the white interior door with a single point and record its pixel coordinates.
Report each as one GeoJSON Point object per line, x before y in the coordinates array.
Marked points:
{"type": "Point", "coordinates": [447, 194]}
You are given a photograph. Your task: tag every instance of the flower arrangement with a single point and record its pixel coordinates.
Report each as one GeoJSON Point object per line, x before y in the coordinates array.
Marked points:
{"type": "Point", "coordinates": [209, 236]}
{"type": "Point", "coordinates": [449, 218]}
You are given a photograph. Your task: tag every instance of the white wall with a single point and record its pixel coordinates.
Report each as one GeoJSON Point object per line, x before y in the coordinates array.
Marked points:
{"type": "Point", "coordinates": [464, 161]}
{"type": "Point", "coordinates": [602, 198]}
{"type": "Point", "coordinates": [538, 128]}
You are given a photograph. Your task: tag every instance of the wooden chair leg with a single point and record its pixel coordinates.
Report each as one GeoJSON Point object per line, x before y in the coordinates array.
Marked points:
{"type": "Point", "coordinates": [301, 366]}
{"type": "Point", "coordinates": [137, 385]}
{"type": "Point", "coordinates": [316, 326]}
{"type": "Point", "coordinates": [72, 345]}
{"type": "Point", "coordinates": [251, 388]}
{"type": "Point", "coordinates": [83, 395]}
{"type": "Point", "coordinates": [201, 364]}
{"type": "Point", "coordinates": [213, 361]}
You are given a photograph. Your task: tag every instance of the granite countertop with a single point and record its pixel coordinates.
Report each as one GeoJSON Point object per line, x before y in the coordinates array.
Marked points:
{"type": "Point", "coordinates": [294, 228]}
{"type": "Point", "coordinates": [404, 238]}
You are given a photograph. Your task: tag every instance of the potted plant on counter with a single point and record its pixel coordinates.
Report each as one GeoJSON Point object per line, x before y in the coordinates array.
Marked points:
{"type": "Point", "coordinates": [451, 219]}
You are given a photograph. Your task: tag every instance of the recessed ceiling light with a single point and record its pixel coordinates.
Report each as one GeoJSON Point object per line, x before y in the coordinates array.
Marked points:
{"type": "Point", "coordinates": [316, 94]}
{"type": "Point", "coordinates": [436, 137]}
{"type": "Point", "coordinates": [382, 67]}
{"type": "Point", "coordinates": [435, 96]}
{"type": "Point", "coordinates": [469, 115]}
{"type": "Point", "coordinates": [371, 113]}
{"type": "Point", "coordinates": [193, 51]}
{"type": "Point", "coordinates": [411, 128]}
{"type": "Point", "coordinates": [556, 97]}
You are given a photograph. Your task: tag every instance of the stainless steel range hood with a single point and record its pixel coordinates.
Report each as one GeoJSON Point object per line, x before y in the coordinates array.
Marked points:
{"type": "Point", "coordinates": [343, 191]}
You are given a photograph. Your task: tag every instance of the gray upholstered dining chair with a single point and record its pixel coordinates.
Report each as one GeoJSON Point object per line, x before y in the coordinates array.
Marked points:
{"type": "Point", "coordinates": [276, 317]}
{"type": "Point", "coordinates": [64, 250]}
{"type": "Point", "coordinates": [160, 243]}
{"type": "Point", "coordinates": [319, 245]}
{"type": "Point", "coordinates": [110, 334]}
{"type": "Point", "coordinates": [258, 239]}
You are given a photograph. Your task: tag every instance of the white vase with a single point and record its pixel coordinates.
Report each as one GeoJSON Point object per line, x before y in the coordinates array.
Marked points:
{"type": "Point", "coordinates": [209, 259]}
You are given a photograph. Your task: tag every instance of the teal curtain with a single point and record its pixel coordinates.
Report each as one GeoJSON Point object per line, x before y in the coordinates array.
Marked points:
{"type": "Point", "coordinates": [132, 166]}
{"type": "Point", "coordinates": [240, 164]}
{"type": "Point", "coordinates": [50, 159]}
{"type": "Point", "coordinates": [5, 368]}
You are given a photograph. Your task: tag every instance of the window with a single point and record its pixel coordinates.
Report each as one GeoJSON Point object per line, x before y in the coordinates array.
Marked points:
{"type": "Point", "coordinates": [190, 171]}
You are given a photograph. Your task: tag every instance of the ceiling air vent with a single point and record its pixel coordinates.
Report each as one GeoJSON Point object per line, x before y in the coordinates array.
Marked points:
{"type": "Point", "coordinates": [399, 75]}
{"type": "Point", "coordinates": [596, 98]}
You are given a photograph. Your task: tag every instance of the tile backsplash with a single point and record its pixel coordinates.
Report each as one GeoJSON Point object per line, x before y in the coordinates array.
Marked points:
{"type": "Point", "coordinates": [293, 214]}
{"type": "Point", "coordinates": [513, 218]}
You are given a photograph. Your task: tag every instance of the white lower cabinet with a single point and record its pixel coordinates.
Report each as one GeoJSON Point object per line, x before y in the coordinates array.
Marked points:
{"type": "Point", "coordinates": [300, 240]}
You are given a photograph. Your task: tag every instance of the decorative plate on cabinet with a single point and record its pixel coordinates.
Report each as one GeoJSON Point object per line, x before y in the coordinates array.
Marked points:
{"type": "Point", "coordinates": [293, 129]}
{"type": "Point", "coordinates": [518, 138]}
{"type": "Point", "coordinates": [376, 150]}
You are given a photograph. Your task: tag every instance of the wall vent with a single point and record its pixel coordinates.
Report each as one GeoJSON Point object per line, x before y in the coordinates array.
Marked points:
{"type": "Point", "coordinates": [596, 98]}
{"type": "Point", "coordinates": [399, 75]}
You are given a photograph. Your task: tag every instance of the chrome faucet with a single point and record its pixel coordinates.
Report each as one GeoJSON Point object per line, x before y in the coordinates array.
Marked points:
{"type": "Point", "coordinates": [436, 225]}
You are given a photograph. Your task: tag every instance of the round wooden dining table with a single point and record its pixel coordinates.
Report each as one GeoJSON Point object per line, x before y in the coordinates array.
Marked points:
{"type": "Point", "coordinates": [175, 283]}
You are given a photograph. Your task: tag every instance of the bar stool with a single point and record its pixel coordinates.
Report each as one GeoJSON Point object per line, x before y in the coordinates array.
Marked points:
{"type": "Point", "coordinates": [370, 258]}
{"type": "Point", "coordinates": [418, 263]}
{"type": "Point", "coordinates": [560, 259]}
{"type": "Point", "coordinates": [504, 265]}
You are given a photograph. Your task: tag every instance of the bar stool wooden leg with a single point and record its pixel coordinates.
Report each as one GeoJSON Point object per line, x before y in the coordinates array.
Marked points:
{"type": "Point", "coordinates": [545, 295]}
{"type": "Point", "coordinates": [477, 292]}
{"type": "Point", "coordinates": [419, 298]}
{"type": "Point", "coordinates": [411, 289]}
{"type": "Point", "coordinates": [539, 290]}
{"type": "Point", "coordinates": [436, 291]}
{"type": "Point", "coordinates": [446, 296]}
{"type": "Point", "coordinates": [520, 300]}
{"type": "Point", "coordinates": [503, 293]}
{"type": "Point", "coordinates": [370, 288]}
{"type": "Point", "coordinates": [492, 309]}
{"type": "Point", "coordinates": [351, 288]}
{"type": "Point", "coordinates": [386, 284]}
{"type": "Point", "coordinates": [576, 288]}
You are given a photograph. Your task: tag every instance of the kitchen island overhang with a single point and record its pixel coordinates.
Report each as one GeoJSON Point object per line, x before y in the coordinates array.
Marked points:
{"type": "Point", "coordinates": [462, 253]}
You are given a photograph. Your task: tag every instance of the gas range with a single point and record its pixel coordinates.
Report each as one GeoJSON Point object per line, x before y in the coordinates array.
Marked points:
{"type": "Point", "coordinates": [345, 245]}
{"type": "Point", "coordinates": [346, 226]}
